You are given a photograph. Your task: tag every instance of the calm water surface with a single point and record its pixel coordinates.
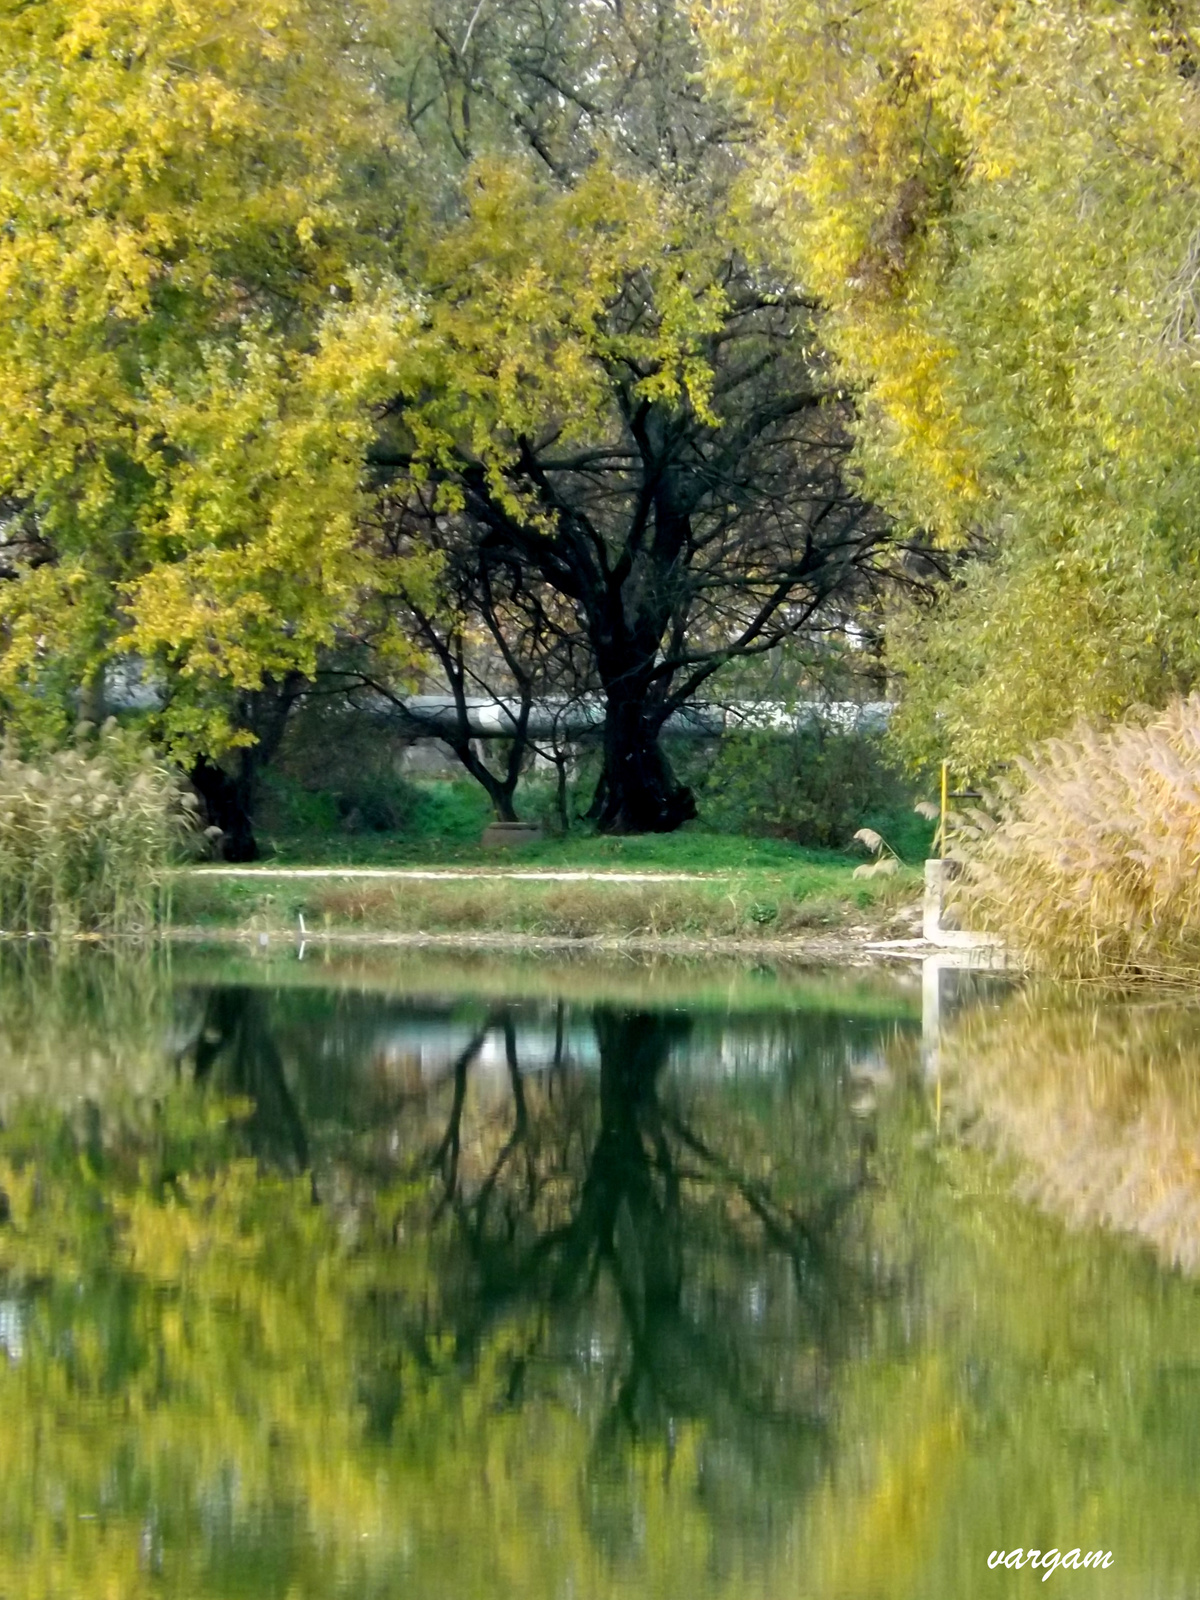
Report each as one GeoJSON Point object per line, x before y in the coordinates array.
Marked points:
{"type": "Point", "coordinates": [400, 1276]}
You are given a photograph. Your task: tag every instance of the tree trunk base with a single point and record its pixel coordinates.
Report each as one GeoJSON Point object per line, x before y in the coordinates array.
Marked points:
{"type": "Point", "coordinates": [646, 799]}
{"type": "Point", "coordinates": [227, 804]}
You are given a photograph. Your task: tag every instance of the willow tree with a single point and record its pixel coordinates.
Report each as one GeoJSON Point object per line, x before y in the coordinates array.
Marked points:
{"type": "Point", "coordinates": [996, 205]}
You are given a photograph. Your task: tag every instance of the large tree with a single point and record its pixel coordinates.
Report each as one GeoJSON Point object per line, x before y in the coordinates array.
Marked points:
{"type": "Point", "coordinates": [280, 288]}
{"type": "Point", "coordinates": [621, 396]}
{"type": "Point", "coordinates": [498, 641]}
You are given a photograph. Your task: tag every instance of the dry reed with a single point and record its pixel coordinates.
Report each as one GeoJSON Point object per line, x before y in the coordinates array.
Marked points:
{"type": "Point", "coordinates": [583, 910]}
{"type": "Point", "coordinates": [1091, 866]}
{"type": "Point", "coordinates": [88, 836]}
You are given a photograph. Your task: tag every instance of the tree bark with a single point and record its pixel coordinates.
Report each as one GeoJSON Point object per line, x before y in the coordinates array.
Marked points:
{"type": "Point", "coordinates": [229, 805]}
{"type": "Point", "coordinates": [229, 797]}
{"type": "Point", "coordinates": [637, 791]}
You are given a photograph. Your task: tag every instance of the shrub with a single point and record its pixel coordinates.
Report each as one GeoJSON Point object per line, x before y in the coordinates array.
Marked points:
{"type": "Point", "coordinates": [1091, 866]}
{"type": "Point", "coordinates": [335, 772]}
{"type": "Point", "coordinates": [88, 836]}
{"type": "Point", "coordinates": [815, 786]}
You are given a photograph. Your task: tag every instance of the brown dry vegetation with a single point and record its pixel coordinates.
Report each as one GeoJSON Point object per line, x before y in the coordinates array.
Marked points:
{"type": "Point", "coordinates": [89, 835]}
{"type": "Point", "coordinates": [573, 910]}
{"type": "Point", "coordinates": [1093, 867]}
{"type": "Point", "coordinates": [713, 908]}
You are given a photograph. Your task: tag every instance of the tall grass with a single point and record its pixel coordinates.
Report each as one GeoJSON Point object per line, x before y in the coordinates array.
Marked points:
{"type": "Point", "coordinates": [88, 836]}
{"type": "Point", "coordinates": [1091, 866]}
{"type": "Point", "coordinates": [756, 906]}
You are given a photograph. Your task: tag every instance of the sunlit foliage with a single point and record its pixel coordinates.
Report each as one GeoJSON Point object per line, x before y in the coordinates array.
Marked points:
{"type": "Point", "coordinates": [996, 203]}
{"type": "Point", "coordinates": [188, 192]}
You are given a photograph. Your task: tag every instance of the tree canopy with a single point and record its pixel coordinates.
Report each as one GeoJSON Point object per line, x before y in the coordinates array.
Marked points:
{"type": "Point", "coordinates": [631, 424]}
{"type": "Point", "coordinates": [303, 306]}
{"type": "Point", "coordinates": [292, 295]}
{"type": "Point", "coordinates": [996, 204]}
{"type": "Point", "coordinates": [190, 197]}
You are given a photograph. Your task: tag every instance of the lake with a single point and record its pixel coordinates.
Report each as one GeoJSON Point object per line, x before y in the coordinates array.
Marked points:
{"type": "Point", "coordinates": [397, 1274]}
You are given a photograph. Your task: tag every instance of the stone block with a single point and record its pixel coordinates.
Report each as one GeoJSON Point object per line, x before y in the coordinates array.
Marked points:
{"type": "Point", "coordinates": [509, 835]}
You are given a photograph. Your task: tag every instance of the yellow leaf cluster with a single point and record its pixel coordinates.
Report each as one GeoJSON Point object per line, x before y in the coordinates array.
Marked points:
{"type": "Point", "coordinates": [185, 200]}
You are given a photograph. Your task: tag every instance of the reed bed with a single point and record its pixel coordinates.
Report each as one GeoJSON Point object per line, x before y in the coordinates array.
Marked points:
{"type": "Point", "coordinates": [1090, 866]}
{"type": "Point", "coordinates": [88, 837]}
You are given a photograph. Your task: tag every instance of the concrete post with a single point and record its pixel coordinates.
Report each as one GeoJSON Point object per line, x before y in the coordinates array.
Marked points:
{"type": "Point", "coordinates": [938, 875]}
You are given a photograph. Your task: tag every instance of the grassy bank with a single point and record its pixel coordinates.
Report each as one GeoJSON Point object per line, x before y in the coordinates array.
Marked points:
{"type": "Point", "coordinates": [741, 889]}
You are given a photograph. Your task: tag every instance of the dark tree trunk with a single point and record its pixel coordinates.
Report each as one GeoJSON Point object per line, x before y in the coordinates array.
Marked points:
{"type": "Point", "coordinates": [625, 1183]}
{"type": "Point", "coordinates": [229, 805]}
{"type": "Point", "coordinates": [229, 797]}
{"type": "Point", "coordinates": [637, 792]}
{"type": "Point", "coordinates": [237, 1046]}
{"type": "Point", "coordinates": [502, 792]}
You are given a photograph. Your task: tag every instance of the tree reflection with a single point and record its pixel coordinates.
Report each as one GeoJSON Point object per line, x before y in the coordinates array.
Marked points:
{"type": "Point", "coordinates": [572, 1300]}
{"type": "Point", "coordinates": [650, 1226]}
{"type": "Point", "coordinates": [656, 1242]}
{"type": "Point", "coordinates": [236, 1051]}
{"type": "Point", "coordinates": [547, 1268]}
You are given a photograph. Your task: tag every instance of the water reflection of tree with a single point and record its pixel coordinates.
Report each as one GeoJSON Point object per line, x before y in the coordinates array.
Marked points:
{"type": "Point", "coordinates": [657, 1226]}
{"type": "Point", "coordinates": [474, 1368]}
{"type": "Point", "coordinates": [619, 1268]}
{"type": "Point", "coordinates": [235, 1049]}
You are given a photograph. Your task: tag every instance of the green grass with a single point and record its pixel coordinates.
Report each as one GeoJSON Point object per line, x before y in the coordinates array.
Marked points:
{"type": "Point", "coordinates": [758, 888]}
{"type": "Point", "coordinates": [443, 821]}
{"type": "Point", "coordinates": [691, 849]}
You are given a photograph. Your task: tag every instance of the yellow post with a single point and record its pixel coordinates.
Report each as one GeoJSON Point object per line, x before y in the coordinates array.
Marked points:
{"type": "Point", "coordinates": [945, 808]}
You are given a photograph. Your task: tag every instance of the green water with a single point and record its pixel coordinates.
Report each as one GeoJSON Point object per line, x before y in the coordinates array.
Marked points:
{"type": "Point", "coordinates": [434, 1278]}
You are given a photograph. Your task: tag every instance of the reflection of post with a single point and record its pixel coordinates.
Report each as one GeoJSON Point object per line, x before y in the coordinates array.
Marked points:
{"type": "Point", "coordinates": [931, 1014]}
{"type": "Point", "coordinates": [938, 997]}
{"type": "Point", "coordinates": [935, 1000]}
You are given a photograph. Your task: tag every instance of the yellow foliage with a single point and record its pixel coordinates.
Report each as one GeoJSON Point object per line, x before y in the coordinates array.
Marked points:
{"type": "Point", "coordinates": [994, 200]}
{"type": "Point", "coordinates": [185, 362]}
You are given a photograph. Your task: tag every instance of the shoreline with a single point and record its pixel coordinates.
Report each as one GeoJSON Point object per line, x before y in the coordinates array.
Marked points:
{"type": "Point", "coordinates": [810, 914]}
{"type": "Point", "coordinates": [858, 947]}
